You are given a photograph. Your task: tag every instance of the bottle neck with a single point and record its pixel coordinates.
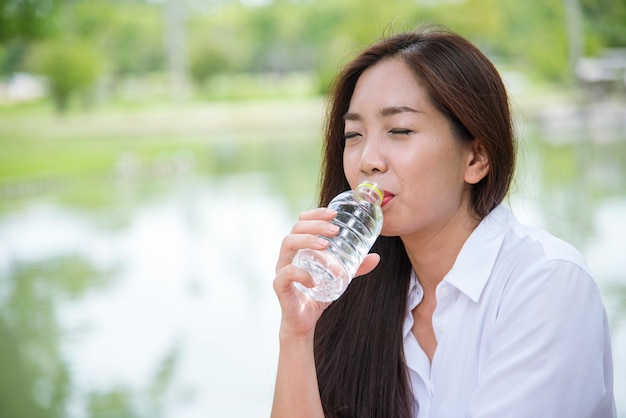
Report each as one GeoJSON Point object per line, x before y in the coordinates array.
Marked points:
{"type": "Point", "coordinates": [369, 194]}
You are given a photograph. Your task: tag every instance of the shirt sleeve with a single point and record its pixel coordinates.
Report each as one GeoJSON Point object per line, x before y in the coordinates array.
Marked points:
{"type": "Point", "coordinates": [547, 354]}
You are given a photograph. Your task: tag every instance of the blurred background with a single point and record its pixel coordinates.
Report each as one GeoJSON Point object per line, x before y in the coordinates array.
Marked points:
{"type": "Point", "coordinates": [153, 153]}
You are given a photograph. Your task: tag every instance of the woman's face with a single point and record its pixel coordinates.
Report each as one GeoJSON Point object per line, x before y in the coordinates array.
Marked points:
{"type": "Point", "coordinates": [394, 136]}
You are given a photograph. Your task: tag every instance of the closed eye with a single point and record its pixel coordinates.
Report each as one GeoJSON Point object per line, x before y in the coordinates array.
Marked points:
{"type": "Point", "coordinates": [350, 135]}
{"type": "Point", "coordinates": [399, 131]}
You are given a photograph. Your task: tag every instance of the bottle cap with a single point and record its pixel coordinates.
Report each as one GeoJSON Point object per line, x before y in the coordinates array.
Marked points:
{"type": "Point", "coordinates": [372, 186]}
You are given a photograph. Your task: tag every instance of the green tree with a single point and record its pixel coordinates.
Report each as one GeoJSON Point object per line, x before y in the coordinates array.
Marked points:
{"type": "Point", "coordinates": [606, 22]}
{"type": "Point", "coordinates": [26, 19]}
{"type": "Point", "coordinates": [217, 43]}
{"type": "Point", "coordinates": [21, 22]}
{"type": "Point", "coordinates": [127, 34]}
{"type": "Point", "coordinates": [71, 67]}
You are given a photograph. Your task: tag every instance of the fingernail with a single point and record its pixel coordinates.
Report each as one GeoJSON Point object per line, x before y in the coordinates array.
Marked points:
{"type": "Point", "coordinates": [322, 243]}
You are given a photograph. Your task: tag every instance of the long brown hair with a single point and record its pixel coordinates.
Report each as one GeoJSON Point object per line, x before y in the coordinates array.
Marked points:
{"type": "Point", "coordinates": [358, 340]}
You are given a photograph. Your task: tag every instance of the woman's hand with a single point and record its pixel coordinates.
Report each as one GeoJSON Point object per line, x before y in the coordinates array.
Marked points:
{"type": "Point", "coordinates": [299, 312]}
{"type": "Point", "coordinates": [296, 392]}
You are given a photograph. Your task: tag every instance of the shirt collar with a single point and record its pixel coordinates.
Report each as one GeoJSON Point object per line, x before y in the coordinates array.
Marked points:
{"type": "Point", "coordinates": [416, 293]}
{"type": "Point", "coordinates": [475, 261]}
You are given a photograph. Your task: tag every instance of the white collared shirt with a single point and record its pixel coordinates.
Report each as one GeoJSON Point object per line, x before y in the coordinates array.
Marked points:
{"type": "Point", "coordinates": [521, 331]}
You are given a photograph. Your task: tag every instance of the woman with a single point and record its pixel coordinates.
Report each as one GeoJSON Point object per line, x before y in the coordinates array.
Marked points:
{"type": "Point", "coordinates": [461, 310]}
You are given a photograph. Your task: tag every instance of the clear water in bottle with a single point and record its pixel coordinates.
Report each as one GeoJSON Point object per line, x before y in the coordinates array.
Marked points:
{"type": "Point", "coordinates": [360, 219]}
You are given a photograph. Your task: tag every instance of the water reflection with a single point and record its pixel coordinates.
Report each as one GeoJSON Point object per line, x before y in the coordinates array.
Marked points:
{"type": "Point", "coordinates": [166, 314]}
{"type": "Point", "coordinates": [154, 298]}
{"type": "Point", "coordinates": [36, 378]}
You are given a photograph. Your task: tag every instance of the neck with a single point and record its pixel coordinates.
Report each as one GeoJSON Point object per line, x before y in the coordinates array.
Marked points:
{"type": "Point", "coordinates": [433, 255]}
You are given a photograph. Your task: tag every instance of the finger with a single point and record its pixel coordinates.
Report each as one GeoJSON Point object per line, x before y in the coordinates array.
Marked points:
{"type": "Point", "coordinates": [318, 213]}
{"type": "Point", "coordinates": [369, 263]}
{"type": "Point", "coordinates": [293, 243]}
{"type": "Point", "coordinates": [299, 312]}
{"type": "Point", "coordinates": [283, 283]}
{"type": "Point", "coordinates": [306, 233]}
{"type": "Point", "coordinates": [316, 227]}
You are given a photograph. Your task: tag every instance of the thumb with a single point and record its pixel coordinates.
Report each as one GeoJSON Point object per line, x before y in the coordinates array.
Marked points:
{"type": "Point", "coordinates": [369, 263]}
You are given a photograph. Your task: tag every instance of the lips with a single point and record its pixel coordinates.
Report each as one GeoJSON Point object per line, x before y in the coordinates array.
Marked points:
{"type": "Point", "coordinates": [387, 196]}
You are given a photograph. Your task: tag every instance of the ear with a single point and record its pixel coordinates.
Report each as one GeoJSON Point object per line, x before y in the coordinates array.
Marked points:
{"type": "Point", "coordinates": [477, 162]}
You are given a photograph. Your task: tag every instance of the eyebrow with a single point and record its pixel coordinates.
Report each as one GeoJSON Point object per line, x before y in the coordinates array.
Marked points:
{"type": "Point", "coordinates": [385, 112]}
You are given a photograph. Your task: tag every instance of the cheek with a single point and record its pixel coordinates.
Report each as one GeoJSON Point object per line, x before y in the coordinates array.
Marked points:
{"type": "Point", "coordinates": [350, 166]}
{"type": "Point", "coordinates": [432, 179]}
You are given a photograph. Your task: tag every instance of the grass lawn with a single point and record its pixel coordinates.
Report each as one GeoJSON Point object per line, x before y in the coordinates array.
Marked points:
{"type": "Point", "coordinates": [35, 143]}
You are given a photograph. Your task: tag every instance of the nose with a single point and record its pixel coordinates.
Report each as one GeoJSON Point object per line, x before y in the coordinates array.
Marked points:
{"type": "Point", "coordinates": [373, 158]}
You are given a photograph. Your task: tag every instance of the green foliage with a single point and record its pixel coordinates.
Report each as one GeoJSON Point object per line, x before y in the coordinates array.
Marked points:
{"type": "Point", "coordinates": [215, 44]}
{"type": "Point", "coordinates": [116, 403]}
{"type": "Point", "coordinates": [606, 20]}
{"type": "Point", "coordinates": [319, 36]}
{"type": "Point", "coordinates": [21, 19]}
{"type": "Point", "coordinates": [11, 56]}
{"type": "Point", "coordinates": [36, 380]}
{"type": "Point", "coordinates": [128, 35]}
{"type": "Point", "coordinates": [529, 36]}
{"type": "Point", "coordinates": [71, 67]}
{"type": "Point", "coordinates": [207, 59]}
{"type": "Point", "coordinates": [304, 36]}
{"type": "Point", "coordinates": [22, 22]}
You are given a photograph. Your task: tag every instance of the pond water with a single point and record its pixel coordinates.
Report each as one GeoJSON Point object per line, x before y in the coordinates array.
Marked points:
{"type": "Point", "coordinates": [151, 296]}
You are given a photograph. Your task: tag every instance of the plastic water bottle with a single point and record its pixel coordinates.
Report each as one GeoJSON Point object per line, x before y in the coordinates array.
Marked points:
{"type": "Point", "coordinates": [360, 219]}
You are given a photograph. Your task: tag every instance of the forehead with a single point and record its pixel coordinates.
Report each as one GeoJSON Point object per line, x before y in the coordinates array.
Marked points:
{"type": "Point", "coordinates": [388, 83]}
